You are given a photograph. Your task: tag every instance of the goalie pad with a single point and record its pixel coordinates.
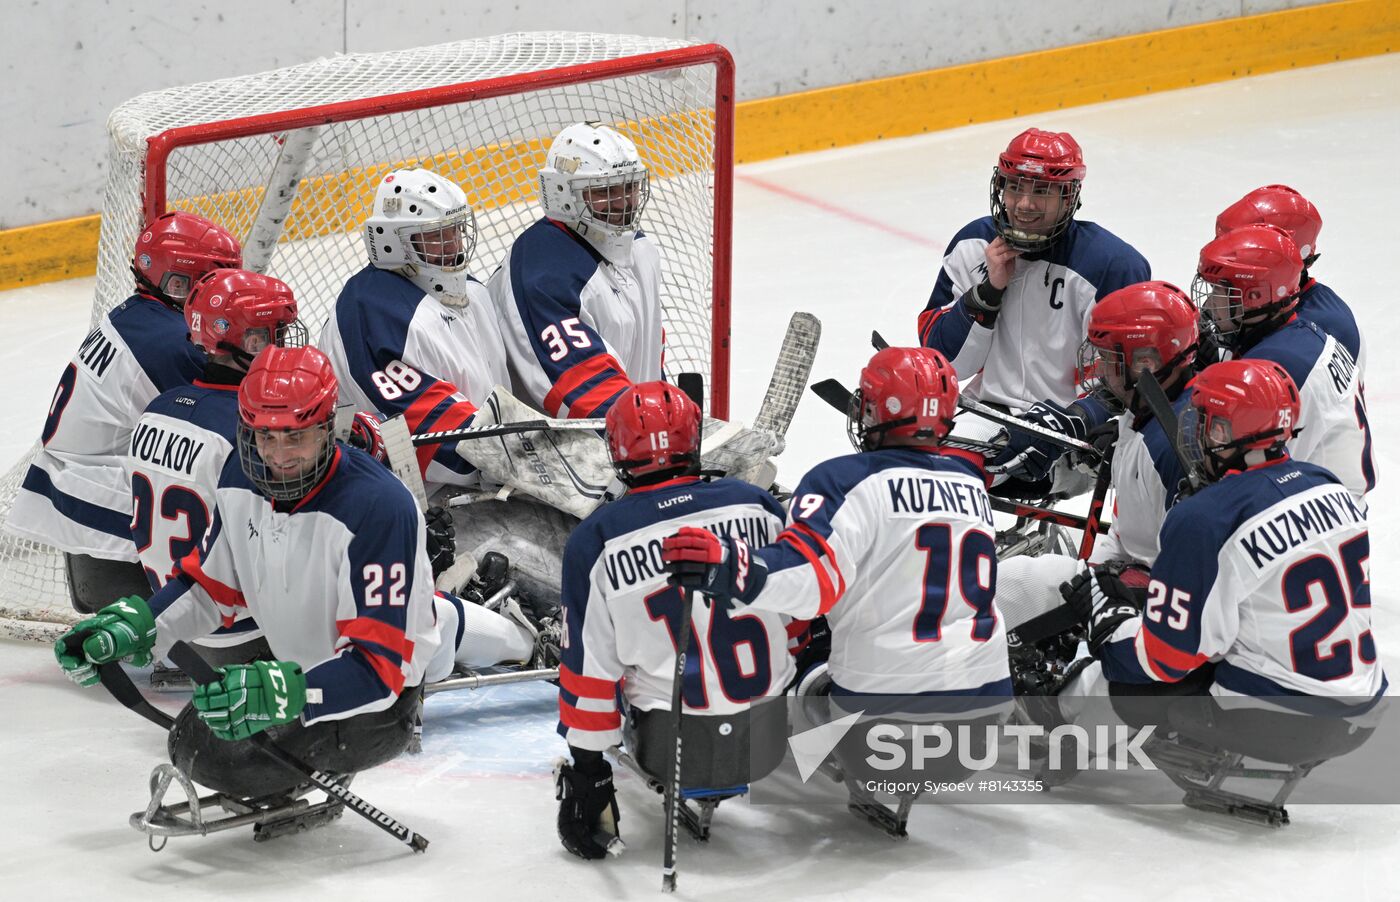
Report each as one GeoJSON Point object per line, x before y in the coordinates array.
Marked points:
{"type": "Point", "coordinates": [740, 452]}
{"type": "Point", "coordinates": [568, 470]}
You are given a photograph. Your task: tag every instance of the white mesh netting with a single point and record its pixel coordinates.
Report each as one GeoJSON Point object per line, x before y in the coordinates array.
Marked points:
{"type": "Point", "coordinates": [491, 146]}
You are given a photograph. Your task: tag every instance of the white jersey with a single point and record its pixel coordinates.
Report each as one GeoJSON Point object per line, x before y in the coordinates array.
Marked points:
{"type": "Point", "coordinates": [1146, 477]}
{"type": "Point", "coordinates": [175, 458]}
{"type": "Point", "coordinates": [398, 350]}
{"type": "Point", "coordinates": [578, 328]}
{"type": "Point", "coordinates": [1267, 573]}
{"type": "Point", "coordinates": [1332, 430]}
{"type": "Point", "coordinates": [1031, 352]}
{"type": "Point", "coordinates": [896, 547]}
{"type": "Point", "coordinates": [75, 495]}
{"type": "Point", "coordinates": [623, 619]}
{"type": "Point", "coordinates": [340, 584]}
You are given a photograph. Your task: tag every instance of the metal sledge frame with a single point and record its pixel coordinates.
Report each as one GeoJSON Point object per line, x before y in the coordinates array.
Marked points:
{"type": "Point", "coordinates": [160, 822]}
{"type": "Point", "coordinates": [1201, 771]}
{"type": "Point", "coordinates": [697, 818]}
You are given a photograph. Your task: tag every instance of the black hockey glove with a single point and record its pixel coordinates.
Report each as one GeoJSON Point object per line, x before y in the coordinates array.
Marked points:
{"type": "Point", "coordinates": [442, 539]}
{"type": "Point", "coordinates": [1103, 597]}
{"type": "Point", "coordinates": [588, 814]}
{"type": "Point", "coordinates": [983, 302]}
{"type": "Point", "coordinates": [1030, 457]}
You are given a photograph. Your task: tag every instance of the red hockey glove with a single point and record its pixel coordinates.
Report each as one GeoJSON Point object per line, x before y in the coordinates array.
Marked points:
{"type": "Point", "coordinates": [365, 435]}
{"type": "Point", "coordinates": [718, 567]}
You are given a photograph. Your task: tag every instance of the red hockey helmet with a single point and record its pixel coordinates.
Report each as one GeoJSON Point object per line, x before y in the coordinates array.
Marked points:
{"type": "Point", "coordinates": [1236, 407]}
{"type": "Point", "coordinates": [1276, 205]}
{"type": "Point", "coordinates": [237, 312]}
{"type": "Point", "coordinates": [1148, 326]}
{"type": "Point", "coordinates": [1247, 281]}
{"type": "Point", "coordinates": [905, 393]}
{"type": "Point", "coordinates": [653, 433]}
{"type": "Point", "coordinates": [1035, 188]}
{"type": "Point", "coordinates": [177, 248]}
{"type": "Point", "coordinates": [286, 413]}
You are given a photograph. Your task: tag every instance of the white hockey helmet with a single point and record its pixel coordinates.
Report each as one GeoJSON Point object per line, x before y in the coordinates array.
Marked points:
{"type": "Point", "coordinates": [423, 228]}
{"type": "Point", "coordinates": [594, 181]}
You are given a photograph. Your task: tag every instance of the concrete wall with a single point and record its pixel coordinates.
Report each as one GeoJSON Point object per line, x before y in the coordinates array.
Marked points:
{"type": "Point", "coordinates": [72, 61]}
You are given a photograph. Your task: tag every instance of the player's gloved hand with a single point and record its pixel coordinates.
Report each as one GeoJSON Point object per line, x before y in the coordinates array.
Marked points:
{"type": "Point", "coordinates": [442, 539]}
{"type": "Point", "coordinates": [1103, 597]}
{"type": "Point", "coordinates": [249, 698]}
{"type": "Point", "coordinates": [719, 567]}
{"type": "Point", "coordinates": [365, 435]}
{"type": "Point", "coordinates": [588, 813]}
{"type": "Point", "coordinates": [122, 631]}
{"type": "Point", "coordinates": [983, 303]}
{"type": "Point", "coordinates": [1030, 457]}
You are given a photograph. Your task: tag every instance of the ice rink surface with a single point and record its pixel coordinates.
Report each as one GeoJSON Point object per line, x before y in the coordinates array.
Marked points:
{"type": "Point", "coordinates": [855, 236]}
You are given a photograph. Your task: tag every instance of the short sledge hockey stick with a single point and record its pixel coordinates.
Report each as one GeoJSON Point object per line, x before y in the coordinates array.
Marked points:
{"type": "Point", "coordinates": [116, 682]}
{"type": "Point", "coordinates": [199, 670]}
{"type": "Point", "coordinates": [673, 785]}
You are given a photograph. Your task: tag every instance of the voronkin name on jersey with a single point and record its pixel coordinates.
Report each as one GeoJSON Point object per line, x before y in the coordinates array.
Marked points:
{"type": "Point", "coordinates": [892, 745]}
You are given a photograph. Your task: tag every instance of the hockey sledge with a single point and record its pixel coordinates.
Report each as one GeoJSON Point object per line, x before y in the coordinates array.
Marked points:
{"type": "Point", "coordinates": [287, 813]}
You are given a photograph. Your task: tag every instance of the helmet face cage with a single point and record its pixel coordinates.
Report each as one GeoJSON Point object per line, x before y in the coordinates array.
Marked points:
{"type": "Point", "coordinates": [612, 202]}
{"type": "Point", "coordinates": [312, 447]}
{"type": "Point", "coordinates": [1221, 306]}
{"type": "Point", "coordinates": [445, 245]}
{"type": "Point", "coordinates": [1044, 194]}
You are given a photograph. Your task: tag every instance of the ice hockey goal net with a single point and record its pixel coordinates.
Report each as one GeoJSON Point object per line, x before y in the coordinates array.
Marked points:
{"type": "Point", "coordinates": [288, 161]}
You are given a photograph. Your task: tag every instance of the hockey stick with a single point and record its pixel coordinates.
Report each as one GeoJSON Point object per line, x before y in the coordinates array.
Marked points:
{"type": "Point", "coordinates": [1157, 401]}
{"type": "Point", "coordinates": [673, 785]}
{"type": "Point", "coordinates": [1094, 520]}
{"type": "Point", "coordinates": [189, 660]}
{"type": "Point", "coordinates": [834, 393]}
{"type": "Point", "coordinates": [1045, 514]}
{"type": "Point", "coordinates": [398, 446]}
{"type": "Point", "coordinates": [471, 432]}
{"type": "Point", "coordinates": [115, 681]}
{"type": "Point", "coordinates": [790, 374]}
{"type": "Point", "coordinates": [693, 386]}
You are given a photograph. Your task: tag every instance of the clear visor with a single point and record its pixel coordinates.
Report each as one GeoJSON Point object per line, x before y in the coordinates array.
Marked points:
{"type": "Point", "coordinates": [447, 246]}
{"type": "Point", "coordinates": [615, 201]}
{"type": "Point", "coordinates": [1200, 435]}
{"type": "Point", "coordinates": [176, 286]}
{"type": "Point", "coordinates": [1221, 306]}
{"type": "Point", "coordinates": [1108, 368]}
{"type": "Point", "coordinates": [286, 464]}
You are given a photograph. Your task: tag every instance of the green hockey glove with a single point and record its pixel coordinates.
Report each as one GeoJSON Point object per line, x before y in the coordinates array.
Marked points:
{"type": "Point", "coordinates": [249, 698]}
{"type": "Point", "coordinates": [122, 631]}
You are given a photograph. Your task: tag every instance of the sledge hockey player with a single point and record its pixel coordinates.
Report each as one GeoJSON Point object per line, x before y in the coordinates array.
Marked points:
{"type": "Point", "coordinates": [1027, 274]}
{"type": "Point", "coordinates": [1260, 598]}
{"type": "Point", "coordinates": [325, 548]}
{"type": "Point", "coordinates": [75, 495]}
{"type": "Point", "coordinates": [184, 437]}
{"type": "Point", "coordinates": [578, 294]}
{"type": "Point", "coordinates": [623, 622]}
{"type": "Point", "coordinates": [862, 529]}
{"type": "Point", "coordinates": [1282, 206]}
{"type": "Point", "coordinates": [413, 333]}
{"type": "Point", "coordinates": [1247, 290]}
{"type": "Point", "coordinates": [1150, 327]}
